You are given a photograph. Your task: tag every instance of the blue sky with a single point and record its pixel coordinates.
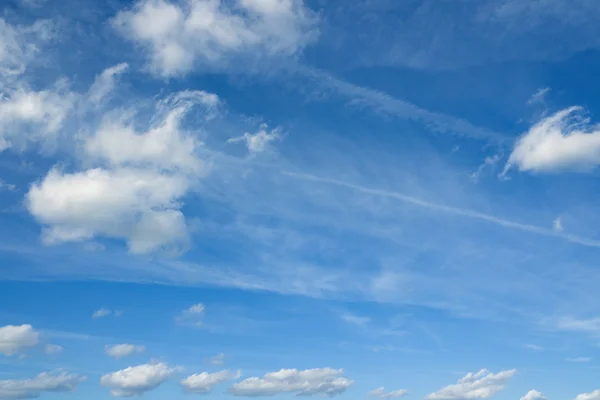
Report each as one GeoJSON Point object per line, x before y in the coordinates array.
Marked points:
{"type": "Point", "coordinates": [256, 198]}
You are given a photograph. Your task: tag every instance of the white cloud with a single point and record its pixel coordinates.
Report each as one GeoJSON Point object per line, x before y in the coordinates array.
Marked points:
{"type": "Point", "coordinates": [534, 347]}
{"type": "Point", "coordinates": [53, 349]}
{"type": "Point", "coordinates": [381, 393]}
{"type": "Point", "coordinates": [192, 315]}
{"type": "Point", "coordinates": [219, 359]}
{"type": "Point", "coordinates": [591, 326]}
{"type": "Point", "coordinates": [557, 225]}
{"type": "Point", "coordinates": [204, 382]}
{"type": "Point", "coordinates": [105, 83]}
{"type": "Point", "coordinates": [137, 380]}
{"type": "Point", "coordinates": [7, 186]}
{"type": "Point", "coordinates": [55, 382]}
{"type": "Point", "coordinates": [533, 395]}
{"type": "Point", "coordinates": [19, 45]}
{"type": "Point", "coordinates": [259, 141]}
{"type": "Point", "coordinates": [539, 96]}
{"type": "Point", "coordinates": [16, 338]}
{"type": "Point", "coordinates": [355, 319]}
{"type": "Point", "coordinates": [309, 382]}
{"type": "Point", "coordinates": [578, 359]}
{"type": "Point", "coordinates": [562, 141]}
{"type": "Point", "coordinates": [595, 395]}
{"type": "Point", "coordinates": [123, 350]}
{"type": "Point", "coordinates": [479, 385]}
{"type": "Point", "coordinates": [101, 313]}
{"type": "Point", "coordinates": [179, 36]}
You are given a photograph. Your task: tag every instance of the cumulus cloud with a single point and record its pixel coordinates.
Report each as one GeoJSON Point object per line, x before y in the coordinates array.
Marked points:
{"type": "Point", "coordinates": [123, 350]}
{"type": "Point", "coordinates": [595, 395]}
{"type": "Point", "coordinates": [309, 382]}
{"type": "Point", "coordinates": [204, 382]}
{"type": "Point", "coordinates": [257, 142]}
{"type": "Point", "coordinates": [180, 35]}
{"type": "Point", "coordinates": [53, 349]}
{"type": "Point", "coordinates": [533, 395]}
{"type": "Point", "coordinates": [192, 315]}
{"type": "Point", "coordinates": [563, 141]}
{"type": "Point", "coordinates": [55, 382]}
{"type": "Point", "coordinates": [479, 385]}
{"type": "Point", "coordinates": [16, 338]}
{"type": "Point", "coordinates": [137, 380]}
{"type": "Point", "coordinates": [381, 393]}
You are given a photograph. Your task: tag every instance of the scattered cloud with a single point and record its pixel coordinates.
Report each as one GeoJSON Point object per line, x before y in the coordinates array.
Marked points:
{"type": "Point", "coordinates": [488, 162]}
{"type": "Point", "coordinates": [355, 319]}
{"type": "Point", "coordinates": [479, 385]}
{"type": "Point", "coordinates": [382, 394]}
{"type": "Point", "coordinates": [16, 338]}
{"type": "Point", "coordinates": [259, 141]}
{"type": "Point", "coordinates": [192, 315]}
{"type": "Point", "coordinates": [55, 382]}
{"type": "Point", "coordinates": [7, 186]}
{"type": "Point", "coordinates": [562, 141]}
{"type": "Point", "coordinates": [557, 225]}
{"type": "Point", "coordinates": [539, 96]}
{"type": "Point", "coordinates": [533, 395]}
{"type": "Point", "coordinates": [318, 381]}
{"type": "Point", "coordinates": [578, 359]}
{"type": "Point", "coordinates": [534, 347]}
{"type": "Point", "coordinates": [181, 36]}
{"type": "Point", "coordinates": [53, 349]}
{"type": "Point", "coordinates": [219, 359]}
{"type": "Point", "coordinates": [20, 45]}
{"type": "Point", "coordinates": [123, 350]}
{"type": "Point", "coordinates": [204, 382]}
{"type": "Point", "coordinates": [135, 381]}
{"type": "Point", "coordinates": [104, 312]}
{"type": "Point", "coordinates": [595, 395]}
{"type": "Point", "coordinates": [105, 83]}
{"type": "Point", "coordinates": [590, 326]}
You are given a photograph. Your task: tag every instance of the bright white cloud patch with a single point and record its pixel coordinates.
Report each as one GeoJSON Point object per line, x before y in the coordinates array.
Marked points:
{"type": "Point", "coordinates": [137, 380]}
{"type": "Point", "coordinates": [479, 385]}
{"type": "Point", "coordinates": [55, 382]}
{"type": "Point", "coordinates": [180, 35]}
{"type": "Point", "coordinates": [204, 382]}
{"type": "Point", "coordinates": [257, 142]}
{"type": "Point", "coordinates": [533, 395]}
{"type": "Point", "coordinates": [309, 382]}
{"type": "Point", "coordinates": [14, 339]}
{"type": "Point", "coordinates": [381, 393]}
{"type": "Point", "coordinates": [53, 349]}
{"type": "Point", "coordinates": [123, 350]}
{"type": "Point", "coordinates": [595, 395]}
{"type": "Point", "coordinates": [192, 315]}
{"type": "Point", "coordinates": [562, 141]}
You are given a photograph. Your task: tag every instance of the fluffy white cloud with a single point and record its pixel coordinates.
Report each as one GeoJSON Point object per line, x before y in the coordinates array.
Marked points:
{"type": "Point", "coordinates": [257, 142]}
{"type": "Point", "coordinates": [595, 395]}
{"type": "Point", "coordinates": [205, 381]}
{"type": "Point", "coordinates": [562, 141]}
{"type": "Point", "coordinates": [14, 339]}
{"type": "Point", "coordinates": [53, 349]}
{"type": "Point", "coordinates": [179, 35]}
{"type": "Point", "coordinates": [123, 350]}
{"type": "Point", "coordinates": [192, 315]}
{"type": "Point", "coordinates": [137, 380]}
{"type": "Point", "coordinates": [381, 393]}
{"type": "Point", "coordinates": [309, 382]}
{"type": "Point", "coordinates": [55, 382]}
{"type": "Point", "coordinates": [533, 395]}
{"type": "Point", "coordinates": [479, 385]}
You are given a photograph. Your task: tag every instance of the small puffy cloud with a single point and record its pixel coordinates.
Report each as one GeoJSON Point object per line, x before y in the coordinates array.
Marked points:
{"type": "Point", "coordinates": [137, 380]}
{"type": "Point", "coordinates": [16, 338]}
{"type": "Point", "coordinates": [204, 382]}
{"type": "Point", "coordinates": [53, 349]}
{"type": "Point", "coordinates": [563, 141]}
{"type": "Point", "coordinates": [595, 395]}
{"type": "Point", "coordinates": [55, 382]}
{"type": "Point", "coordinates": [533, 395]}
{"type": "Point", "coordinates": [123, 350]}
{"type": "Point", "coordinates": [578, 359]}
{"type": "Point", "coordinates": [192, 315]}
{"type": "Point", "coordinates": [105, 83]}
{"type": "Point", "coordinates": [214, 33]}
{"type": "Point", "coordinates": [219, 359]}
{"type": "Point", "coordinates": [355, 319]}
{"type": "Point", "coordinates": [309, 382]}
{"type": "Point", "coordinates": [479, 385]}
{"type": "Point", "coordinates": [257, 142]}
{"type": "Point", "coordinates": [382, 394]}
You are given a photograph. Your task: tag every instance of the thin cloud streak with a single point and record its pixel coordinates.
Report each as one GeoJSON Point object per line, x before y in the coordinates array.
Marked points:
{"type": "Point", "coordinates": [451, 210]}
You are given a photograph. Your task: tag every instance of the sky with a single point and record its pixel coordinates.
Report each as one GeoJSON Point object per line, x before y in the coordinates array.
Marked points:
{"type": "Point", "coordinates": [361, 199]}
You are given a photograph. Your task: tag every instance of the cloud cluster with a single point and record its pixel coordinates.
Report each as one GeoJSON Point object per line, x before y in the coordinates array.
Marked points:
{"type": "Point", "coordinates": [309, 382]}
{"type": "Point", "coordinates": [137, 380]}
{"type": "Point", "coordinates": [181, 35]}
{"type": "Point", "coordinates": [14, 339]}
{"type": "Point", "coordinates": [533, 395]}
{"type": "Point", "coordinates": [479, 385]}
{"type": "Point", "coordinates": [55, 382]}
